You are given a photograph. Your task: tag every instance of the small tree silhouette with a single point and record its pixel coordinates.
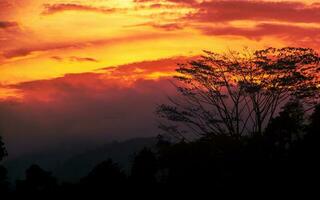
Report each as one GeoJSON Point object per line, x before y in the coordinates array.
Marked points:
{"type": "Point", "coordinates": [3, 151]}
{"type": "Point", "coordinates": [286, 129]}
{"type": "Point", "coordinates": [4, 184]}
{"type": "Point", "coordinates": [144, 167]}
{"type": "Point", "coordinates": [238, 94]}
{"type": "Point", "coordinates": [309, 146]}
{"type": "Point", "coordinates": [315, 123]}
{"type": "Point", "coordinates": [106, 176]}
{"type": "Point", "coordinates": [38, 181]}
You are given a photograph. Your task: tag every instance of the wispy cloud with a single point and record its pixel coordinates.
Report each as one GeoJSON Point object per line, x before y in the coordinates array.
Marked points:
{"type": "Point", "coordinates": [223, 11]}
{"type": "Point", "coordinates": [24, 51]}
{"type": "Point", "coordinates": [174, 1]}
{"type": "Point", "coordinates": [50, 9]}
{"type": "Point", "coordinates": [296, 35]}
{"type": "Point", "coordinates": [42, 47]}
{"type": "Point", "coordinates": [171, 26]}
{"type": "Point", "coordinates": [231, 10]}
{"type": "Point", "coordinates": [7, 24]}
{"type": "Point", "coordinates": [74, 59]}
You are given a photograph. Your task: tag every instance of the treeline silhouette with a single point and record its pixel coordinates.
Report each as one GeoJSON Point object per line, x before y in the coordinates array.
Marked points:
{"type": "Point", "coordinates": [286, 155]}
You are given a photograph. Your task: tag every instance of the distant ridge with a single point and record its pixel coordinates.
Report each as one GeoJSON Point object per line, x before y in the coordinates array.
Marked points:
{"type": "Point", "coordinates": [72, 166]}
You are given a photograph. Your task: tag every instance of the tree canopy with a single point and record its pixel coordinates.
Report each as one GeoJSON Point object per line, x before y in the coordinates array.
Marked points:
{"type": "Point", "coordinates": [3, 151]}
{"type": "Point", "coordinates": [238, 93]}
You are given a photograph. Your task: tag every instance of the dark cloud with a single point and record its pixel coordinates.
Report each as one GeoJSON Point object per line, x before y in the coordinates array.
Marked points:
{"type": "Point", "coordinates": [41, 47]}
{"type": "Point", "coordinates": [223, 11]}
{"type": "Point", "coordinates": [283, 19]}
{"type": "Point", "coordinates": [184, 1]}
{"type": "Point", "coordinates": [50, 9]}
{"type": "Point", "coordinates": [296, 35]}
{"type": "Point", "coordinates": [74, 59]}
{"type": "Point", "coordinates": [7, 24]}
{"type": "Point", "coordinates": [56, 58]}
{"type": "Point", "coordinates": [83, 59]}
{"type": "Point", "coordinates": [172, 26]}
{"type": "Point", "coordinates": [17, 52]}
{"type": "Point", "coordinates": [147, 67]}
{"type": "Point", "coordinates": [24, 51]}
{"type": "Point", "coordinates": [174, 1]}
{"type": "Point", "coordinates": [168, 26]}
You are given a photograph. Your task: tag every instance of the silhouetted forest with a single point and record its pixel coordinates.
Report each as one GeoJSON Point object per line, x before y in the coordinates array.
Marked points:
{"type": "Point", "coordinates": [240, 123]}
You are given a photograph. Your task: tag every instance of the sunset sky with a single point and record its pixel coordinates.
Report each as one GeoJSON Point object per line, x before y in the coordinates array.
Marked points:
{"type": "Point", "coordinates": [82, 68]}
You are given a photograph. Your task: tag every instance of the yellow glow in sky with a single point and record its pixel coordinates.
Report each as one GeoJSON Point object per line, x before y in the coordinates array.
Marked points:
{"type": "Point", "coordinates": [42, 39]}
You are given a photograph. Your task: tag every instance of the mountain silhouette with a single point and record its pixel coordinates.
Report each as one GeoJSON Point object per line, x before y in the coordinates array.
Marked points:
{"type": "Point", "coordinates": [71, 165]}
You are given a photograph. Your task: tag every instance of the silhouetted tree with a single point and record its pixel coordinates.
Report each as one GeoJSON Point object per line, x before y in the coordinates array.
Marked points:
{"type": "Point", "coordinates": [37, 182]}
{"type": "Point", "coordinates": [105, 177]}
{"type": "Point", "coordinates": [199, 163]}
{"type": "Point", "coordinates": [3, 151]}
{"type": "Point", "coordinates": [162, 141]}
{"type": "Point", "coordinates": [144, 168]}
{"type": "Point", "coordinates": [314, 127]}
{"type": "Point", "coordinates": [4, 184]}
{"type": "Point", "coordinates": [310, 148]}
{"type": "Point", "coordinates": [307, 151]}
{"type": "Point", "coordinates": [286, 129]}
{"type": "Point", "coordinates": [239, 93]}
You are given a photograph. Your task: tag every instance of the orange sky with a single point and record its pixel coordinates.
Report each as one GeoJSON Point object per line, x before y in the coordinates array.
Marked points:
{"type": "Point", "coordinates": [42, 39]}
{"type": "Point", "coordinates": [96, 69]}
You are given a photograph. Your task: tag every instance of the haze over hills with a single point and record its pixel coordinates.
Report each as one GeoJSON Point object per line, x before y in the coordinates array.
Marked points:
{"type": "Point", "coordinates": [116, 104]}
{"type": "Point", "coordinates": [73, 163]}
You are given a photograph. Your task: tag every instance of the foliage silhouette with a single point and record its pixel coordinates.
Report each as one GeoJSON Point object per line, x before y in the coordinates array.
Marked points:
{"type": "Point", "coordinates": [4, 184]}
{"type": "Point", "coordinates": [237, 94]}
{"type": "Point", "coordinates": [106, 176]}
{"type": "Point", "coordinates": [287, 128]}
{"type": "Point", "coordinates": [37, 181]}
{"type": "Point", "coordinates": [3, 151]}
{"type": "Point", "coordinates": [144, 168]}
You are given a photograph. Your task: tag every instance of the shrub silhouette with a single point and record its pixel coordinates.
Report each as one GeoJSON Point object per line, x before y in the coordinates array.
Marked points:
{"type": "Point", "coordinates": [4, 184]}
{"type": "Point", "coordinates": [3, 151]}
{"type": "Point", "coordinates": [37, 181]}
{"type": "Point", "coordinates": [105, 177]}
{"type": "Point", "coordinates": [144, 168]}
{"type": "Point", "coordinates": [286, 129]}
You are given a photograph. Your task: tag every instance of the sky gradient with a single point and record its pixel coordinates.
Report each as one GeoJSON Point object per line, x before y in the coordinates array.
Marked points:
{"type": "Point", "coordinates": [80, 69]}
